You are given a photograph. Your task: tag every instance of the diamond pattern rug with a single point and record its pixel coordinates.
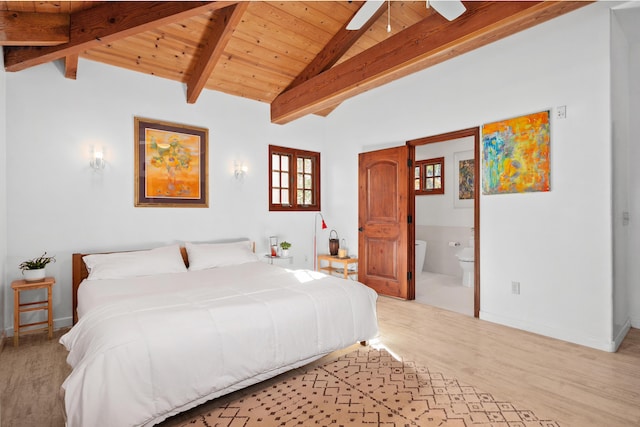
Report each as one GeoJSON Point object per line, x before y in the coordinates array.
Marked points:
{"type": "Point", "coordinates": [367, 387]}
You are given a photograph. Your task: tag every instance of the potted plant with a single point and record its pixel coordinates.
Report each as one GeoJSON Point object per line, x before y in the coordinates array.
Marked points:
{"type": "Point", "coordinates": [285, 248]}
{"type": "Point", "coordinates": [33, 270]}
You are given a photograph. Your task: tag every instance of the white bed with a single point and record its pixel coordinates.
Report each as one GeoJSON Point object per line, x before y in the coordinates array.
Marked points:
{"type": "Point", "coordinates": [148, 347]}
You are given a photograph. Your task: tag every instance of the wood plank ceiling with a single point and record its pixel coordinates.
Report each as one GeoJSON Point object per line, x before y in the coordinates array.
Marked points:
{"type": "Point", "coordinates": [295, 55]}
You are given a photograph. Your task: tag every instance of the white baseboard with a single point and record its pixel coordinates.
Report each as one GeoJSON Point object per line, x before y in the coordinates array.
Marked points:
{"type": "Point", "coordinates": [635, 322]}
{"type": "Point", "coordinates": [623, 333]}
{"type": "Point", "coordinates": [549, 332]}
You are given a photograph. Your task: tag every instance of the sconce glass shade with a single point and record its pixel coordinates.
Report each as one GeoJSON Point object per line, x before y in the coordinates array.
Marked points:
{"type": "Point", "coordinates": [97, 162]}
{"type": "Point", "coordinates": [240, 170]}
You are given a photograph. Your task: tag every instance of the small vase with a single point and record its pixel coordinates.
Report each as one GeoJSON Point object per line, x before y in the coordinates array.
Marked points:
{"type": "Point", "coordinates": [34, 275]}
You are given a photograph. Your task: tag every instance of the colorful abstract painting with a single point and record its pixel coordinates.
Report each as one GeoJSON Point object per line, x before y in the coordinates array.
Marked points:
{"type": "Point", "coordinates": [465, 183]}
{"type": "Point", "coordinates": [464, 176]}
{"type": "Point", "coordinates": [515, 155]}
{"type": "Point", "coordinates": [171, 164]}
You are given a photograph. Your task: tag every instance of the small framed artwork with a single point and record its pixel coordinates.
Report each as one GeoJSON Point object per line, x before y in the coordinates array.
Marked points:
{"type": "Point", "coordinates": [515, 154]}
{"type": "Point", "coordinates": [171, 164]}
{"type": "Point", "coordinates": [464, 173]}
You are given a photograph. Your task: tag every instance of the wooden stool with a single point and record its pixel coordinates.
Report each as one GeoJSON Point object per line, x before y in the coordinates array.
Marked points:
{"type": "Point", "coordinates": [22, 285]}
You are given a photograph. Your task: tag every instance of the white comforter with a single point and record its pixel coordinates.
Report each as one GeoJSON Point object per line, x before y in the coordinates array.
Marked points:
{"type": "Point", "coordinates": [147, 348]}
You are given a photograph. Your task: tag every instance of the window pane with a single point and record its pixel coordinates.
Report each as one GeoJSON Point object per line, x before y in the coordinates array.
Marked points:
{"type": "Point", "coordinates": [429, 182]}
{"type": "Point", "coordinates": [417, 184]}
{"type": "Point", "coordinates": [429, 169]}
{"type": "Point", "coordinates": [417, 172]}
{"type": "Point", "coordinates": [293, 178]}
{"type": "Point", "coordinates": [436, 169]}
{"type": "Point", "coordinates": [437, 183]}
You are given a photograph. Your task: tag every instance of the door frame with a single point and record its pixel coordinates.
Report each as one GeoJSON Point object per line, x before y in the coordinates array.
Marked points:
{"type": "Point", "coordinates": [443, 137]}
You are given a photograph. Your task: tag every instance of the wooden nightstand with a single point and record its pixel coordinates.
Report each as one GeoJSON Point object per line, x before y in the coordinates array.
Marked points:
{"type": "Point", "coordinates": [18, 308]}
{"type": "Point", "coordinates": [345, 271]}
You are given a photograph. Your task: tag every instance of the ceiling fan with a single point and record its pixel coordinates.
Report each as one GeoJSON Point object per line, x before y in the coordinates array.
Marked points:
{"type": "Point", "coordinates": [450, 9]}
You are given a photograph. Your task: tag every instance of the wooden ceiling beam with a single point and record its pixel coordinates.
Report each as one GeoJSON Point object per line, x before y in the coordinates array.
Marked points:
{"type": "Point", "coordinates": [71, 66]}
{"type": "Point", "coordinates": [226, 21]}
{"type": "Point", "coordinates": [429, 42]}
{"type": "Point", "coordinates": [339, 44]}
{"type": "Point", "coordinates": [33, 29]}
{"type": "Point", "coordinates": [106, 23]}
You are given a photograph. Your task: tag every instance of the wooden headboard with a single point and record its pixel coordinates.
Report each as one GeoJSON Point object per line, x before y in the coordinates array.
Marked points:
{"type": "Point", "coordinates": [80, 272]}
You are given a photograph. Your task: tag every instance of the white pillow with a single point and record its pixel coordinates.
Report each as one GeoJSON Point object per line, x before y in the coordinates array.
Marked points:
{"type": "Point", "coordinates": [122, 265]}
{"type": "Point", "coordinates": [210, 255]}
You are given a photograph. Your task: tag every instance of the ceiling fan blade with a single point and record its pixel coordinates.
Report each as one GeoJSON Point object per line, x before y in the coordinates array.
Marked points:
{"type": "Point", "coordinates": [450, 9]}
{"type": "Point", "coordinates": [364, 13]}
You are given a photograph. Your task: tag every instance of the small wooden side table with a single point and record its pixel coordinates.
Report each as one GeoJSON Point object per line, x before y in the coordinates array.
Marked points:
{"type": "Point", "coordinates": [18, 308]}
{"type": "Point", "coordinates": [334, 259]}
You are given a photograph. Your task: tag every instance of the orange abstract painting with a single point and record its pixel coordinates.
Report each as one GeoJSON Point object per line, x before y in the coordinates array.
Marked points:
{"type": "Point", "coordinates": [515, 155]}
{"type": "Point", "coordinates": [171, 163]}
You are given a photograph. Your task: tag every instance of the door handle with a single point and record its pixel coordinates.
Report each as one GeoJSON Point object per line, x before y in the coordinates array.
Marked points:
{"type": "Point", "coordinates": [360, 229]}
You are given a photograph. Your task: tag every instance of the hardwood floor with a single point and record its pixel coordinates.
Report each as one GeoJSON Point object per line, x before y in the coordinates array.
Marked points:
{"type": "Point", "coordinates": [574, 385]}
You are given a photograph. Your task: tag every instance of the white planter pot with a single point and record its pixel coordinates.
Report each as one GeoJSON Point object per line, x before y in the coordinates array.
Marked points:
{"type": "Point", "coordinates": [33, 275]}
{"type": "Point", "coordinates": [285, 253]}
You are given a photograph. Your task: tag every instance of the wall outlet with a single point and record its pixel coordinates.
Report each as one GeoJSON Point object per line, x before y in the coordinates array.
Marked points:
{"type": "Point", "coordinates": [515, 288]}
{"type": "Point", "coordinates": [625, 218]}
{"type": "Point", "coordinates": [561, 112]}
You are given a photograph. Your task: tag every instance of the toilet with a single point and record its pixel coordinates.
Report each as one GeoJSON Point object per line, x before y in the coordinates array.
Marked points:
{"type": "Point", "coordinates": [465, 258]}
{"type": "Point", "coordinates": [421, 253]}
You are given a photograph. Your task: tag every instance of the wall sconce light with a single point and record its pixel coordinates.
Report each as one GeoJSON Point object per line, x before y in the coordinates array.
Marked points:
{"type": "Point", "coordinates": [240, 170]}
{"type": "Point", "coordinates": [97, 160]}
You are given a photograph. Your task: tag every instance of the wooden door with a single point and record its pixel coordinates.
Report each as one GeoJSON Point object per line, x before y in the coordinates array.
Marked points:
{"type": "Point", "coordinates": [383, 207]}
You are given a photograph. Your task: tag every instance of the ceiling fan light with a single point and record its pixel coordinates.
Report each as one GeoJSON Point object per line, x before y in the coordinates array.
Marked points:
{"type": "Point", "coordinates": [450, 9]}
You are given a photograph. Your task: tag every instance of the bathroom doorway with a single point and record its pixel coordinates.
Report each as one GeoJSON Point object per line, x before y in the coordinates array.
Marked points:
{"type": "Point", "coordinates": [446, 215]}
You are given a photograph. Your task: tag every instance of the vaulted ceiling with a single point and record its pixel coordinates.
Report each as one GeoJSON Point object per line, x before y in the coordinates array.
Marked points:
{"type": "Point", "coordinates": [295, 55]}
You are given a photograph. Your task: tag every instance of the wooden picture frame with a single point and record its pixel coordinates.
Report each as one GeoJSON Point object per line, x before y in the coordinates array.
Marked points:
{"type": "Point", "coordinates": [171, 164]}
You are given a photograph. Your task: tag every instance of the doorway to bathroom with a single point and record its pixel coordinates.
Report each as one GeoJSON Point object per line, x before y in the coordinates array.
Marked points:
{"type": "Point", "coordinates": [446, 225]}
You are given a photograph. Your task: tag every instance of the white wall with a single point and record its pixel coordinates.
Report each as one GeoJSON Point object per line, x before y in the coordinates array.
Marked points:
{"type": "Point", "coordinates": [620, 149]}
{"type": "Point", "coordinates": [57, 203]}
{"type": "Point", "coordinates": [634, 187]}
{"type": "Point", "coordinates": [556, 244]}
{"type": "Point", "coordinates": [439, 210]}
{"type": "Point", "coordinates": [626, 68]}
{"type": "Point", "coordinates": [3, 195]}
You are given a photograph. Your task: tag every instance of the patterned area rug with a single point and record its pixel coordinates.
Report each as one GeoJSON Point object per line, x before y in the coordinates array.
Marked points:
{"type": "Point", "coordinates": [368, 388]}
